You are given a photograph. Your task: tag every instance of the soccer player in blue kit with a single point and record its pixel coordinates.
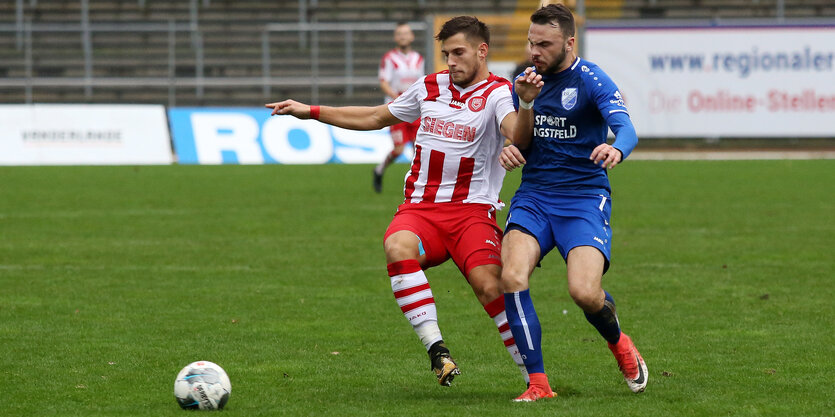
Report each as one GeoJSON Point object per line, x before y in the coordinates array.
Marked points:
{"type": "Point", "coordinates": [564, 199]}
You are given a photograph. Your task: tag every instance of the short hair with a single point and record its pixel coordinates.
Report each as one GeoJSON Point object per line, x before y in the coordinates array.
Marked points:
{"type": "Point", "coordinates": [555, 13]}
{"type": "Point", "coordinates": [470, 26]}
{"type": "Point", "coordinates": [401, 23]}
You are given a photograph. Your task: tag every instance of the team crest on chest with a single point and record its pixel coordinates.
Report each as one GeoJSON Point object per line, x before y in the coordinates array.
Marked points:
{"type": "Point", "coordinates": [569, 98]}
{"type": "Point", "coordinates": [476, 104]}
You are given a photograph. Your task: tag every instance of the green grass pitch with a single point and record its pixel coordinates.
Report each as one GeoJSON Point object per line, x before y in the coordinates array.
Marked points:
{"type": "Point", "coordinates": [113, 278]}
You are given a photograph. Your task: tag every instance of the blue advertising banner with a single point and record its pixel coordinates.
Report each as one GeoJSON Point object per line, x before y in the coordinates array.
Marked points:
{"type": "Point", "coordinates": [252, 136]}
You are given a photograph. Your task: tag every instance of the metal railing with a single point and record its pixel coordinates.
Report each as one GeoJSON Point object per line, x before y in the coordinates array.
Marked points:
{"type": "Point", "coordinates": [88, 81]}
{"type": "Point", "coordinates": [308, 31]}
{"type": "Point", "coordinates": [314, 29]}
{"type": "Point", "coordinates": [266, 81]}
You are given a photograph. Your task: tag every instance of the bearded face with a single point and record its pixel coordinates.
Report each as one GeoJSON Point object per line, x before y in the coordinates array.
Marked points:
{"type": "Point", "coordinates": [548, 48]}
{"type": "Point", "coordinates": [554, 66]}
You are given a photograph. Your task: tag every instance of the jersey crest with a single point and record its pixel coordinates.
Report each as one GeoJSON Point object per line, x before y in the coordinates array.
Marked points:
{"type": "Point", "coordinates": [476, 104]}
{"type": "Point", "coordinates": [569, 98]}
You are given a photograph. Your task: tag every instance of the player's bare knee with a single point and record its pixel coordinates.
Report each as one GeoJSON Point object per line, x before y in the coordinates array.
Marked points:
{"type": "Point", "coordinates": [400, 247]}
{"type": "Point", "coordinates": [398, 252]}
{"type": "Point", "coordinates": [588, 298]}
{"type": "Point", "coordinates": [487, 292]}
{"type": "Point", "coordinates": [514, 280]}
{"type": "Point", "coordinates": [484, 280]}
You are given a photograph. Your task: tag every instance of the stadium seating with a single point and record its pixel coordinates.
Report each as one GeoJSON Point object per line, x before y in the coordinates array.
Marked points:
{"type": "Point", "coordinates": [132, 62]}
{"type": "Point", "coordinates": [726, 9]}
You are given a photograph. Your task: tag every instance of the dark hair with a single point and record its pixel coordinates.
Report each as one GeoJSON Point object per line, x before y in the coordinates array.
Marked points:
{"type": "Point", "coordinates": [470, 26]}
{"type": "Point", "coordinates": [557, 14]}
{"type": "Point", "coordinates": [402, 23]}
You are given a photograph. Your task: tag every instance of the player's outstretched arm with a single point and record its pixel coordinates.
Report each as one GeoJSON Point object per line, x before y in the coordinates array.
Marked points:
{"type": "Point", "coordinates": [353, 117]}
{"type": "Point", "coordinates": [527, 87]}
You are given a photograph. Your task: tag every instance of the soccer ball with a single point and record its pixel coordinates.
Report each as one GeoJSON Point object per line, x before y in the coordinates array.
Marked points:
{"type": "Point", "coordinates": [202, 385]}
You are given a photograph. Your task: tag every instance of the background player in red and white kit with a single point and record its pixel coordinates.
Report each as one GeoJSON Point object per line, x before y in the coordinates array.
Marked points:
{"type": "Point", "coordinates": [452, 188]}
{"type": "Point", "coordinates": [399, 69]}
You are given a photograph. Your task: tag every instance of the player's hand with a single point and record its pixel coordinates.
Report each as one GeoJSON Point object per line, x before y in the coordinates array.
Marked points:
{"type": "Point", "coordinates": [606, 155]}
{"type": "Point", "coordinates": [528, 85]}
{"type": "Point", "coordinates": [291, 107]}
{"type": "Point", "coordinates": [511, 158]}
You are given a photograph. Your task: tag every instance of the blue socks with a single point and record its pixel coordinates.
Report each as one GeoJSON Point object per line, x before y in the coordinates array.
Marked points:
{"type": "Point", "coordinates": [524, 324]}
{"type": "Point", "coordinates": [606, 320]}
{"type": "Point", "coordinates": [527, 332]}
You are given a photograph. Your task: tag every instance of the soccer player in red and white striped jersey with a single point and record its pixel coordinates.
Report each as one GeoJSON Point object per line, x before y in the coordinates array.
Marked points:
{"type": "Point", "coordinates": [399, 69]}
{"type": "Point", "coordinates": [401, 66]}
{"type": "Point", "coordinates": [452, 188]}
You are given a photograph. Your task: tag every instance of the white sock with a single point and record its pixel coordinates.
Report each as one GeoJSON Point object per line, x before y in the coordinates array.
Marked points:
{"type": "Point", "coordinates": [429, 333]}
{"type": "Point", "coordinates": [414, 296]}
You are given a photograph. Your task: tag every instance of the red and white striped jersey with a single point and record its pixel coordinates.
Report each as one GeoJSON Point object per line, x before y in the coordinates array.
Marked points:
{"type": "Point", "coordinates": [459, 141]}
{"type": "Point", "coordinates": [400, 70]}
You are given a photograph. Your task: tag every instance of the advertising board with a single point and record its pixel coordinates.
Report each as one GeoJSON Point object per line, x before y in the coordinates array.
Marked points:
{"type": "Point", "coordinates": [84, 134]}
{"type": "Point", "coordinates": [762, 81]}
{"type": "Point", "coordinates": [252, 136]}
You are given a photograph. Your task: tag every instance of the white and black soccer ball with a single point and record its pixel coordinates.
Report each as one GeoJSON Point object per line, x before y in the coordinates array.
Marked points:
{"type": "Point", "coordinates": [202, 385]}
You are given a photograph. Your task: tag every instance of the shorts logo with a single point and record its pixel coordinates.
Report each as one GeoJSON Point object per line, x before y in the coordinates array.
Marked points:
{"type": "Point", "coordinates": [476, 104]}
{"type": "Point", "coordinates": [569, 98]}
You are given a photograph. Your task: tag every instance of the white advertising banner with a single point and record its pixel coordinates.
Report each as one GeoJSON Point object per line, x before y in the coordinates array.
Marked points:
{"type": "Point", "coordinates": [84, 134]}
{"type": "Point", "coordinates": [758, 81]}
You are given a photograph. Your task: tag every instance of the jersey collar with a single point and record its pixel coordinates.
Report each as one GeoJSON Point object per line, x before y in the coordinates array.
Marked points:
{"type": "Point", "coordinates": [465, 93]}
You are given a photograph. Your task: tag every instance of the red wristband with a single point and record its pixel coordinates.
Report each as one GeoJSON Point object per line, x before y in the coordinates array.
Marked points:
{"type": "Point", "coordinates": [314, 112]}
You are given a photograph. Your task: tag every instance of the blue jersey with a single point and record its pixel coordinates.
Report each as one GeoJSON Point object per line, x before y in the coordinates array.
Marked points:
{"type": "Point", "coordinates": [572, 115]}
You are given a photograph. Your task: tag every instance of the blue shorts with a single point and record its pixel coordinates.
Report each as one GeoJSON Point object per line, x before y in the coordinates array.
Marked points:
{"type": "Point", "coordinates": [564, 221]}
